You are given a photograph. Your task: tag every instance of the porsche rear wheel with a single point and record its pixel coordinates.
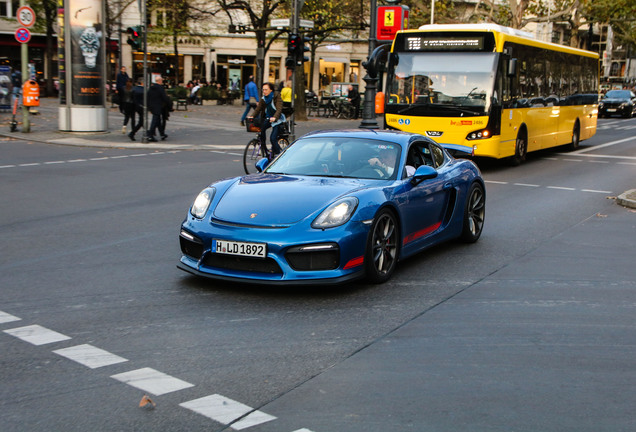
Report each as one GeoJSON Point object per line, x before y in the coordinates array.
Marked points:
{"type": "Point", "coordinates": [474, 213]}
{"type": "Point", "coordinates": [382, 248]}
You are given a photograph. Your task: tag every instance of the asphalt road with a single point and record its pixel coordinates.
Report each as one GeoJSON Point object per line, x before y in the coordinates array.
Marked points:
{"type": "Point", "coordinates": [532, 328]}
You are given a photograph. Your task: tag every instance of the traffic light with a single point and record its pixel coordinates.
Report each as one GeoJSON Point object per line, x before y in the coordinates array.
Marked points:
{"type": "Point", "coordinates": [135, 39]}
{"type": "Point", "coordinates": [301, 49]}
{"type": "Point", "coordinates": [293, 41]}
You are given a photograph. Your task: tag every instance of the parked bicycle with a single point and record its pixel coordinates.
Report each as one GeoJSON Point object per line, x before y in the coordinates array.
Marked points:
{"type": "Point", "coordinates": [255, 150]}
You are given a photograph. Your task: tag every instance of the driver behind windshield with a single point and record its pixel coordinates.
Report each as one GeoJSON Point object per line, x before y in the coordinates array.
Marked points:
{"type": "Point", "coordinates": [385, 160]}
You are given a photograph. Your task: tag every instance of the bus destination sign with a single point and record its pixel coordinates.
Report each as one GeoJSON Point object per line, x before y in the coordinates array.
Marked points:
{"type": "Point", "coordinates": [435, 43]}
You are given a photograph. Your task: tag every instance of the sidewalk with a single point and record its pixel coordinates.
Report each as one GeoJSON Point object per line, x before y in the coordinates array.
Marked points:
{"type": "Point", "coordinates": [201, 127]}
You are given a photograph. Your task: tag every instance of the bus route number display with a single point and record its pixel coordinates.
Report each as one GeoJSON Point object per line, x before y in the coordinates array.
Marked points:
{"type": "Point", "coordinates": [429, 43]}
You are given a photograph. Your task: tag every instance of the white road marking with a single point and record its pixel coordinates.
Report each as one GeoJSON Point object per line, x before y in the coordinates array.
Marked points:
{"type": "Point", "coordinates": [572, 160]}
{"type": "Point", "coordinates": [37, 335]}
{"type": "Point", "coordinates": [76, 160]}
{"type": "Point", "coordinates": [585, 150]}
{"type": "Point", "coordinates": [152, 381]}
{"type": "Point", "coordinates": [5, 318]}
{"type": "Point", "coordinates": [225, 411]}
{"type": "Point", "coordinates": [608, 157]}
{"type": "Point", "coordinates": [7, 166]}
{"type": "Point", "coordinates": [29, 164]}
{"type": "Point", "coordinates": [303, 430]}
{"type": "Point", "coordinates": [550, 187]}
{"type": "Point", "coordinates": [596, 191]}
{"type": "Point", "coordinates": [90, 356]}
{"type": "Point", "coordinates": [54, 162]}
{"type": "Point", "coordinates": [561, 188]}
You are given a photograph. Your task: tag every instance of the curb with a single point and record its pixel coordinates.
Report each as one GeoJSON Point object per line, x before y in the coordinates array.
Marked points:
{"type": "Point", "coordinates": [627, 199]}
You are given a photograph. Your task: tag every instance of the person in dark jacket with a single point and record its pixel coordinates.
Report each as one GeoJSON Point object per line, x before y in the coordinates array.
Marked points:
{"type": "Point", "coordinates": [138, 104]}
{"type": "Point", "coordinates": [354, 97]}
{"type": "Point", "coordinates": [157, 101]}
{"type": "Point", "coordinates": [120, 84]}
{"type": "Point", "coordinates": [129, 106]}
{"type": "Point", "coordinates": [271, 105]}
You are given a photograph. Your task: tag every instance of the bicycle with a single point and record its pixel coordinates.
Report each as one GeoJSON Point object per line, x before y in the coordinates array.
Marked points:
{"type": "Point", "coordinates": [255, 150]}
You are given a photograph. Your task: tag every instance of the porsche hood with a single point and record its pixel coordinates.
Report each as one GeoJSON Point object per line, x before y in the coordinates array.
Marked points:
{"type": "Point", "coordinates": [256, 199]}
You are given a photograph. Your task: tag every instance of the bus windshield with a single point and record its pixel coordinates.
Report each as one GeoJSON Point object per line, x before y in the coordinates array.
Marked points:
{"type": "Point", "coordinates": [441, 83]}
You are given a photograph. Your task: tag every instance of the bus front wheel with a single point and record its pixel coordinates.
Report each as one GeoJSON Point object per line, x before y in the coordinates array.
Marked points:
{"type": "Point", "coordinates": [521, 149]}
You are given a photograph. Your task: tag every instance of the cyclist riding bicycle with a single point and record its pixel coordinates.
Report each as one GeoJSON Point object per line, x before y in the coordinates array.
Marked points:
{"type": "Point", "coordinates": [271, 106]}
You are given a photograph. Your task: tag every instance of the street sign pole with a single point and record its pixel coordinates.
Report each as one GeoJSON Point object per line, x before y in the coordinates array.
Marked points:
{"type": "Point", "coordinates": [297, 4]}
{"type": "Point", "coordinates": [26, 121]}
{"type": "Point", "coordinates": [147, 80]}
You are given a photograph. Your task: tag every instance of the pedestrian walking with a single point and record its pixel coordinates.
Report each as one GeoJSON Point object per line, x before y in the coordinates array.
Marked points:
{"type": "Point", "coordinates": [129, 106]}
{"type": "Point", "coordinates": [138, 107]}
{"type": "Point", "coordinates": [122, 79]}
{"type": "Point", "coordinates": [250, 97]}
{"type": "Point", "coordinates": [157, 100]}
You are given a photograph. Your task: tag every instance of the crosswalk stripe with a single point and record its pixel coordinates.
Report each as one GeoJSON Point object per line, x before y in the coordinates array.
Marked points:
{"type": "Point", "coordinates": [5, 318]}
{"type": "Point", "coordinates": [152, 381]}
{"type": "Point", "coordinates": [225, 411]}
{"type": "Point", "coordinates": [37, 335]}
{"type": "Point", "coordinates": [90, 356]}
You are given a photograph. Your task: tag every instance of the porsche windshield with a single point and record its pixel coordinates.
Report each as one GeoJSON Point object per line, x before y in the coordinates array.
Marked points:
{"type": "Point", "coordinates": [441, 83]}
{"type": "Point", "coordinates": [339, 157]}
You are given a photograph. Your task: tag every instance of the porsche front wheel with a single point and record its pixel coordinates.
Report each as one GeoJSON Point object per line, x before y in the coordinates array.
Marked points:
{"type": "Point", "coordinates": [382, 248]}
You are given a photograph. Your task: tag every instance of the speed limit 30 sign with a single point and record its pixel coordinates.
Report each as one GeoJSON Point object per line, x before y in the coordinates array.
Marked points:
{"type": "Point", "coordinates": [26, 16]}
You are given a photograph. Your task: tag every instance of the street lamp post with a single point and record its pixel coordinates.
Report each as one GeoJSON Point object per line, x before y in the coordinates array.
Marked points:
{"type": "Point", "coordinates": [368, 114]}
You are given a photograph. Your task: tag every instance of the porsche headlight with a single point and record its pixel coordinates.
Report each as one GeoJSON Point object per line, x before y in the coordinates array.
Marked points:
{"type": "Point", "coordinates": [336, 214]}
{"type": "Point", "coordinates": [201, 204]}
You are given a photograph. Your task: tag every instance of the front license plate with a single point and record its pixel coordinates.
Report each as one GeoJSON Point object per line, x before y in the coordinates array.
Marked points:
{"type": "Point", "coordinates": [611, 110]}
{"type": "Point", "coordinates": [257, 250]}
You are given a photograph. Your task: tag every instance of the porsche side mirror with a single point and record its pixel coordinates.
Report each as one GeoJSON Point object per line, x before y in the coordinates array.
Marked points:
{"type": "Point", "coordinates": [424, 172]}
{"type": "Point", "coordinates": [262, 164]}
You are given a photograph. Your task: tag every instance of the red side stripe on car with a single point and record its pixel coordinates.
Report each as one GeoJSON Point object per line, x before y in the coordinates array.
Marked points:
{"type": "Point", "coordinates": [354, 262]}
{"type": "Point", "coordinates": [414, 236]}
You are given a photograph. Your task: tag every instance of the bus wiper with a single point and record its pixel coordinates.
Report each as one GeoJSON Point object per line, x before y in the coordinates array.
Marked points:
{"type": "Point", "coordinates": [457, 108]}
{"type": "Point", "coordinates": [408, 108]}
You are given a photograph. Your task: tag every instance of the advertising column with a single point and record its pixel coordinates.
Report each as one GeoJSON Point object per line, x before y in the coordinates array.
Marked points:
{"type": "Point", "coordinates": [82, 59]}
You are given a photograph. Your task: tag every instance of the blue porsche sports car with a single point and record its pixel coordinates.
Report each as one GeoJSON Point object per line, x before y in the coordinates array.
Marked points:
{"type": "Point", "coordinates": [334, 206]}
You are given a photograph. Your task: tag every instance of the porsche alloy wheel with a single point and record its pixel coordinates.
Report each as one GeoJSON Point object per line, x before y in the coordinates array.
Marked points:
{"type": "Point", "coordinates": [382, 248]}
{"type": "Point", "coordinates": [474, 214]}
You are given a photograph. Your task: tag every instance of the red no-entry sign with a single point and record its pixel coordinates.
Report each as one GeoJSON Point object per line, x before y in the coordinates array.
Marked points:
{"type": "Point", "coordinates": [22, 35]}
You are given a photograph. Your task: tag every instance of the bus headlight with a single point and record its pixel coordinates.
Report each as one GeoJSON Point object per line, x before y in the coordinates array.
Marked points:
{"type": "Point", "coordinates": [477, 135]}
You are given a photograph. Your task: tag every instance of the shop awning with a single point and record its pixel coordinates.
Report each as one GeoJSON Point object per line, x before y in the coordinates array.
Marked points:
{"type": "Point", "coordinates": [335, 59]}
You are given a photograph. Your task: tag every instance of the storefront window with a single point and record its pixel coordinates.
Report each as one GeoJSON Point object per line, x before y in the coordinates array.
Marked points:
{"type": "Point", "coordinates": [165, 64]}
{"type": "Point", "coordinates": [274, 69]}
{"type": "Point", "coordinates": [233, 71]}
{"type": "Point", "coordinates": [197, 67]}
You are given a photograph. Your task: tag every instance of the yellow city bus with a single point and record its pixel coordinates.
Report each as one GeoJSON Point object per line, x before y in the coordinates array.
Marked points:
{"type": "Point", "coordinates": [492, 90]}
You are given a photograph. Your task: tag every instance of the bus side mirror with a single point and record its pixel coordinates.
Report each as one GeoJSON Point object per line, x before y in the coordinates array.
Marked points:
{"type": "Point", "coordinates": [512, 67]}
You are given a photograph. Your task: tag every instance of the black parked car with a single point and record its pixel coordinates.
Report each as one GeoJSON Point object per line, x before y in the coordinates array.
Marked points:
{"type": "Point", "coordinates": [618, 102]}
